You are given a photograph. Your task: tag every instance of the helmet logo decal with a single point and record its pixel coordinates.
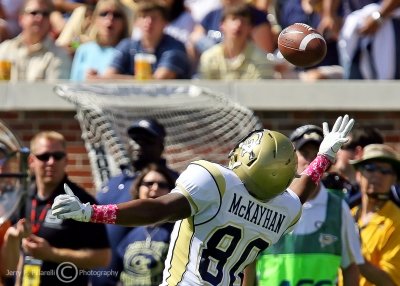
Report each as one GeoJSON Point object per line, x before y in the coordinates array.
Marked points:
{"type": "Point", "coordinates": [248, 146]}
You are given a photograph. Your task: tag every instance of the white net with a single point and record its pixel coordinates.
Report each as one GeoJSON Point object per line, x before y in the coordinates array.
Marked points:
{"type": "Point", "coordinates": [200, 124]}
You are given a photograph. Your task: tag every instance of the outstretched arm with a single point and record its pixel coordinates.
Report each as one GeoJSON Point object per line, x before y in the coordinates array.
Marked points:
{"type": "Point", "coordinates": [170, 207]}
{"type": "Point", "coordinates": [333, 141]}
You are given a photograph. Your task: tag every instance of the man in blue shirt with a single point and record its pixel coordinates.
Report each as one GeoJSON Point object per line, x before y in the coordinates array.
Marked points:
{"type": "Point", "coordinates": [171, 60]}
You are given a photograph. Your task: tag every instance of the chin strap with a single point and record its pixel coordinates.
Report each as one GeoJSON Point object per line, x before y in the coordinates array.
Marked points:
{"type": "Point", "coordinates": [104, 214]}
{"type": "Point", "coordinates": [317, 168]}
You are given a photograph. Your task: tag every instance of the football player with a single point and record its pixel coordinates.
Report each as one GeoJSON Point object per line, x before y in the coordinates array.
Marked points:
{"type": "Point", "coordinates": [224, 216]}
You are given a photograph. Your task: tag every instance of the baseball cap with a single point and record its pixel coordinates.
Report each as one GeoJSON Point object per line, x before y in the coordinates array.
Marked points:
{"type": "Point", "coordinates": [305, 134]}
{"type": "Point", "coordinates": [148, 125]}
{"type": "Point", "coordinates": [378, 152]}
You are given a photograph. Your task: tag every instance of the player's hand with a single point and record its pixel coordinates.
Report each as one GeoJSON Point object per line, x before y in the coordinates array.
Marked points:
{"type": "Point", "coordinates": [69, 206]}
{"type": "Point", "coordinates": [334, 139]}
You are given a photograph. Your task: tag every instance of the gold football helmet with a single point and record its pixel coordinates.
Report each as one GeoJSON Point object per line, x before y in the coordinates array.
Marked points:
{"type": "Point", "coordinates": [266, 162]}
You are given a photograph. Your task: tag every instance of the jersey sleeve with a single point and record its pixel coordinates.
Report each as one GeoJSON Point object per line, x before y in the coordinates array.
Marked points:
{"type": "Point", "coordinates": [351, 247]}
{"type": "Point", "coordinates": [198, 185]}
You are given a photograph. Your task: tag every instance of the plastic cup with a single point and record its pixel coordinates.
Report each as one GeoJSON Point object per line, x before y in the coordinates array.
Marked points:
{"type": "Point", "coordinates": [5, 69]}
{"type": "Point", "coordinates": [143, 69]}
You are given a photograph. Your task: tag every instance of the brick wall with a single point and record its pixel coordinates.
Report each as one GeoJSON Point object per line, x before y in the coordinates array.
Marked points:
{"type": "Point", "coordinates": [27, 123]}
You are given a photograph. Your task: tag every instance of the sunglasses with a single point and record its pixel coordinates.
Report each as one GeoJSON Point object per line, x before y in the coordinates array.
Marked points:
{"type": "Point", "coordinates": [116, 15]}
{"type": "Point", "coordinates": [161, 185]}
{"type": "Point", "coordinates": [44, 14]}
{"type": "Point", "coordinates": [55, 155]}
{"type": "Point", "coordinates": [371, 168]}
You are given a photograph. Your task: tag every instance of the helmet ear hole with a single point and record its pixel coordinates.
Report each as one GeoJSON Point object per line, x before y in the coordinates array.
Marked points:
{"type": "Point", "coordinates": [266, 162]}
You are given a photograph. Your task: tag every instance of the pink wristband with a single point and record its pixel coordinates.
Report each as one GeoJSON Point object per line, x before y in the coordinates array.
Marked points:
{"type": "Point", "coordinates": [104, 214]}
{"type": "Point", "coordinates": [317, 168]}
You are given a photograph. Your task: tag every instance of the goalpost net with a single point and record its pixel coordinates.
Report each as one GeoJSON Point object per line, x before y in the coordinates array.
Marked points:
{"type": "Point", "coordinates": [200, 123]}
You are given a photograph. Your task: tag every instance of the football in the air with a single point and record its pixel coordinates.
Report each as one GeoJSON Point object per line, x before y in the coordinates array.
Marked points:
{"type": "Point", "coordinates": [302, 45]}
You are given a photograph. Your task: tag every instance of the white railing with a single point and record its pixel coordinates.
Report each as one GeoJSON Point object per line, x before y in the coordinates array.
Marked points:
{"type": "Point", "coordinates": [257, 95]}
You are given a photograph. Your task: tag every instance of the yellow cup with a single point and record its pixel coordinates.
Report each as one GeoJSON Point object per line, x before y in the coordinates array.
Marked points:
{"type": "Point", "coordinates": [143, 69]}
{"type": "Point", "coordinates": [5, 69]}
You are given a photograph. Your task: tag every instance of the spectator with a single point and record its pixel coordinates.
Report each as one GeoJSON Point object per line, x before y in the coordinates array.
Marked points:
{"type": "Point", "coordinates": [200, 8]}
{"type": "Point", "coordinates": [9, 12]}
{"type": "Point", "coordinates": [369, 40]}
{"type": "Point", "coordinates": [325, 234]}
{"type": "Point", "coordinates": [10, 249]}
{"type": "Point", "coordinates": [377, 216]}
{"type": "Point", "coordinates": [171, 61]}
{"type": "Point", "coordinates": [270, 8]}
{"type": "Point", "coordinates": [152, 241]}
{"type": "Point", "coordinates": [54, 241]}
{"type": "Point", "coordinates": [78, 28]}
{"type": "Point", "coordinates": [12, 180]}
{"type": "Point", "coordinates": [312, 13]}
{"type": "Point", "coordinates": [225, 216]}
{"type": "Point", "coordinates": [131, 5]}
{"type": "Point", "coordinates": [63, 9]}
{"type": "Point", "coordinates": [111, 26]}
{"type": "Point", "coordinates": [33, 54]}
{"type": "Point", "coordinates": [236, 57]}
{"type": "Point", "coordinates": [353, 150]}
{"type": "Point", "coordinates": [8, 262]}
{"type": "Point", "coordinates": [146, 143]}
{"type": "Point", "coordinates": [181, 22]}
{"type": "Point", "coordinates": [208, 33]}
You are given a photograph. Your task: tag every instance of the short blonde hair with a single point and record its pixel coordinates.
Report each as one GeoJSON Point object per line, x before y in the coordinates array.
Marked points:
{"type": "Point", "coordinates": [50, 135]}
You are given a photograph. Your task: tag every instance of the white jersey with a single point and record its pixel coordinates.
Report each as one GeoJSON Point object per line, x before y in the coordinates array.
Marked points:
{"type": "Point", "coordinates": [227, 228]}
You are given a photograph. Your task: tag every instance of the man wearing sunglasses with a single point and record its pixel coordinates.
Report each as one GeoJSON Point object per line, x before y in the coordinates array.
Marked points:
{"type": "Point", "coordinates": [377, 216]}
{"type": "Point", "coordinates": [33, 54]}
{"type": "Point", "coordinates": [53, 241]}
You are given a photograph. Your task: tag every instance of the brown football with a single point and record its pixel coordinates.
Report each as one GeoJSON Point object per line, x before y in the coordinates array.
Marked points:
{"type": "Point", "coordinates": [302, 45]}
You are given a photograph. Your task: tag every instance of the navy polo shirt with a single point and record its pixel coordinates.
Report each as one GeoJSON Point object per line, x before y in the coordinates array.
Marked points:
{"type": "Point", "coordinates": [212, 21]}
{"type": "Point", "coordinates": [170, 54]}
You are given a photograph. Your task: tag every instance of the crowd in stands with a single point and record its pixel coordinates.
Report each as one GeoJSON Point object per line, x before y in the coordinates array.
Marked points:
{"type": "Point", "coordinates": [84, 40]}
